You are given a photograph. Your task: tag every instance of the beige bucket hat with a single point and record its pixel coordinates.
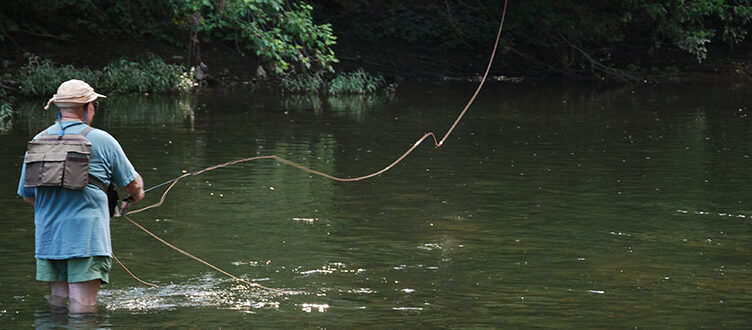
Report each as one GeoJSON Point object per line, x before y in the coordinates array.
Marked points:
{"type": "Point", "coordinates": [73, 93]}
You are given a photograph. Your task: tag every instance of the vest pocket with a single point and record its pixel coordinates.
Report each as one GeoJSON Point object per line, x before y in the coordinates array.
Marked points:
{"type": "Point", "coordinates": [76, 173]}
{"type": "Point", "coordinates": [44, 170]}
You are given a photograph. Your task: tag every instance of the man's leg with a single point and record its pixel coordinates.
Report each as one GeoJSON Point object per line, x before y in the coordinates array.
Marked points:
{"type": "Point", "coordinates": [58, 294]}
{"type": "Point", "coordinates": [82, 296]}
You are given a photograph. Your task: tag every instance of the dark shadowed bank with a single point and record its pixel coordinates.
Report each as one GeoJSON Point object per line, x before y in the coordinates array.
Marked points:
{"type": "Point", "coordinates": [239, 42]}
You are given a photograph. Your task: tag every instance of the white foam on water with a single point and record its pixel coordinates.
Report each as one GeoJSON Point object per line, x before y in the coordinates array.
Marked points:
{"type": "Point", "coordinates": [306, 220]}
{"type": "Point", "coordinates": [407, 308]}
{"type": "Point", "coordinates": [306, 307]}
{"type": "Point", "coordinates": [430, 246]}
{"type": "Point", "coordinates": [203, 291]}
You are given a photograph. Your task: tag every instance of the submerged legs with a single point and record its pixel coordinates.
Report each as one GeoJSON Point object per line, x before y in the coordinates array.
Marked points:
{"type": "Point", "coordinates": [81, 296]}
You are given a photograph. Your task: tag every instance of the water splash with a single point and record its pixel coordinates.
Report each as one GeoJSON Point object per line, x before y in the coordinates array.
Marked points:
{"type": "Point", "coordinates": [314, 307]}
{"type": "Point", "coordinates": [203, 291]}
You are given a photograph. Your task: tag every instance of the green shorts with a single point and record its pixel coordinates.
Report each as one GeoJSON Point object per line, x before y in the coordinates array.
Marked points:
{"type": "Point", "coordinates": [74, 269]}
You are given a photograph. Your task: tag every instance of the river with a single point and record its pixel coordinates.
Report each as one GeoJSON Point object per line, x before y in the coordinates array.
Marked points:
{"type": "Point", "coordinates": [557, 205]}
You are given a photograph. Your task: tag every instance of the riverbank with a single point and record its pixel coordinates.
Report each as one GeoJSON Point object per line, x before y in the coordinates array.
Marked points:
{"type": "Point", "coordinates": [225, 65]}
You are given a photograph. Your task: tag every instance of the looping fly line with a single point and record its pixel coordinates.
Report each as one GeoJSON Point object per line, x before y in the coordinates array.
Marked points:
{"type": "Point", "coordinates": [437, 143]}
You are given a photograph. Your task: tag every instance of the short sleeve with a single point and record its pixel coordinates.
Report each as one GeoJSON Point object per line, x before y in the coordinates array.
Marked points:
{"type": "Point", "coordinates": [123, 171]}
{"type": "Point", "coordinates": [114, 164]}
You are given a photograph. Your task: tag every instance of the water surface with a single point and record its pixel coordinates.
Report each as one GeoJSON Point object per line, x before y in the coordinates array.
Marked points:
{"type": "Point", "coordinates": [551, 205]}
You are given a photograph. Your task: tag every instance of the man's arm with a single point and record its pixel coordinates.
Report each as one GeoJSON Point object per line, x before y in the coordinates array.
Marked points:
{"type": "Point", "coordinates": [135, 189]}
{"type": "Point", "coordinates": [30, 200]}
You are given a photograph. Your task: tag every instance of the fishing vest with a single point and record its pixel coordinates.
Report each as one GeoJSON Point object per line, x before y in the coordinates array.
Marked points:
{"type": "Point", "coordinates": [59, 161]}
{"type": "Point", "coordinates": [63, 161]}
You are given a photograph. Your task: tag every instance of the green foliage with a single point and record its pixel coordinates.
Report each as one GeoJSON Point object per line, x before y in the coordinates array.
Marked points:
{"type": "Point", "coordinates": [6, 105]}
{"type": "Point", "coordinates": [285, 35]}
{"type": "Point", "coordinates": [154, 75]}
{"type": "Point", "coordinates": [356, 82]}
{"type": "Point", "coordinates": [6, 111]}
{"type": "Point", "coordinates": [42, 77]}
{"type": "Point", "coordinates": [693, 25]}
{"type": "Point", "coordinates": [303, 84]}
{"type": "Point", "coordinates": [554, 35]}
{"type": "Point", "coordinates": [281, 36]}
{"type": "Point", "coordinates": [443, 24]}
{"type": "Point", "coordinates": [66, 18]}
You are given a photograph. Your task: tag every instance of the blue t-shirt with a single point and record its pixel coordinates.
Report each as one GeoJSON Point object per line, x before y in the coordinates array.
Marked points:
{"type": "Point", "coordinates": [76, 223]}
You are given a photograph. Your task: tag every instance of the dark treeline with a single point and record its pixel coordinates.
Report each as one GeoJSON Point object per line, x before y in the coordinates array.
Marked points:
{"type": "Point", "coordinates": [629, 39]}
{"type": "Point", "coordinates": [613, 39]}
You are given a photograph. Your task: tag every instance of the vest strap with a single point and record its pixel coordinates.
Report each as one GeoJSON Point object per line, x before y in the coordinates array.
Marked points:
{"type": "Point", "coordinates": [86, 130]}
{"type": "Point", "coordinates": [93, 180]}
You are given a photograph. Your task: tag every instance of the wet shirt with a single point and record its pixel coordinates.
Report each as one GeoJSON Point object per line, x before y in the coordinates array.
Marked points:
{"type": "Point", "coordinates": [76, 223]}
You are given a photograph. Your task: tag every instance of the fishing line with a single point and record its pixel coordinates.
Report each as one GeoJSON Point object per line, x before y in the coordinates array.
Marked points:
{"type": "Point", "coordinates": [192, 256]}
{"type": "Point", "coordinates": [437, 143]}
{"type": "Point", "coordinates": [132, 275]}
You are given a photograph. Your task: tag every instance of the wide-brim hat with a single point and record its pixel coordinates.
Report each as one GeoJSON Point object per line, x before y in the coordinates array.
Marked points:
{"type": "Point", "coordinates": [73, 93]}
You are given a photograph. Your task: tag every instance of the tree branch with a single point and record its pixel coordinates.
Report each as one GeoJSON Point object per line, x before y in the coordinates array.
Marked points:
{"type": "Point", "coordinates": [457, 30]}
{"type": "Point", "coordinates": [42, 35]}
{"type": "Point", "coordinates": [596, 66]}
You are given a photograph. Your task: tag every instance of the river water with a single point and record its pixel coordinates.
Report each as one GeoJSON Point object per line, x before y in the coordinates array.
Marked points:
{"type": "Point", "coordinates": [551, 205]}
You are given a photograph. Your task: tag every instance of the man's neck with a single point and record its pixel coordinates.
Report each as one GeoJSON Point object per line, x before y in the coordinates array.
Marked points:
{"type": "Point", "coordinates": [70, 118]}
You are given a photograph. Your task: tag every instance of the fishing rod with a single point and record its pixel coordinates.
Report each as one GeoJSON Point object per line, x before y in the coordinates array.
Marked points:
{"type": "Point", "coordinates": [159, 185]}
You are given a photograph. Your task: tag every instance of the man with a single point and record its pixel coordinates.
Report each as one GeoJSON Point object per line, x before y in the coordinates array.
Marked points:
{"type": "Point", "coordinates": [72, 226]}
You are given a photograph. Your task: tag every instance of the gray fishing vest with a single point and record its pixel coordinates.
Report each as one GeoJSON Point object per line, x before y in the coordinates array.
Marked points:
{"type": "Point", "coordinates": [60, 161]}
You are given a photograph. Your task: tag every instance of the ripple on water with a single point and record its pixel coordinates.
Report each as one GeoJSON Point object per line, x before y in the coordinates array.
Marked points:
{"type": "Point", "coordinates": [408, 309]}
{"type": "Point", "coordinates": [430, 246]}
{"type": "Point", "coordinates": [721, 214]}
{"type": "Point", "coordinates": [330, 268]}
{"type": "Point", "coordinates": [361, 291]}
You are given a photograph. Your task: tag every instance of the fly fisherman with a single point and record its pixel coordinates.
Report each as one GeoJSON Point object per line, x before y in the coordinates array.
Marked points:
{"type": "Point", "coordinates": [67, 171]}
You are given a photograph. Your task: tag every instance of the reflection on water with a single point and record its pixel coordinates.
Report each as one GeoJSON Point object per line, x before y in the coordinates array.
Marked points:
{"type": "Point", "coordinates": [352, 106]}
{"type": "Point", "coordinates": [149, 110]}
{"type": "Point", "coordinates": [59, 318]}
{"type": "Point", "coordinates": [303, 102]}
{"type": "Point", "coordinates": [118, 110]}
{"type": "Point", "coordinates": [549, 206]}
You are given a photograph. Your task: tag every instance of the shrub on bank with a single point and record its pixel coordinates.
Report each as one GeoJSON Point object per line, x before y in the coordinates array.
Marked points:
{"type": "Point", "coordinates": [42, 77]}
{"type": "Point", "coordinates": [6, 111]}
{"type": "Point", "coordinates": [355, 82]}
{"type": "Point", "coordinates": [303, 83]}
